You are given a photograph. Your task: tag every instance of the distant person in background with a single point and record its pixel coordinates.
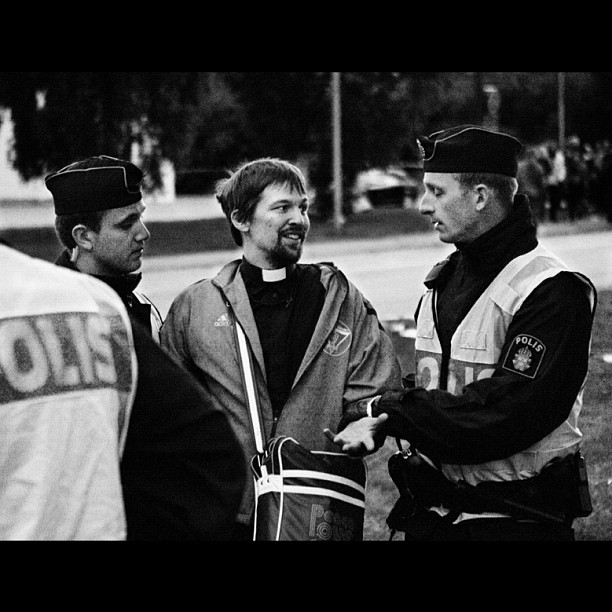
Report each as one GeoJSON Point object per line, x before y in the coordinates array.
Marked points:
{"type": "Point", "coordinates": [555, 181]}
{"type": "Point", "coordinates": [99, 207]}
{"type": "Point", "coordinates": [597, 155]}
{"type": "Point", "coordinates": [591, 176]}
{"type": "Point", "coordinates": [576, 179]}
{"type": "Point", "coordinates": [102, 435]}
{"type": "Point", "coordinates": [532, 182]}
{"type": "Point", "coordinates": [545, 162]}
{"type": "Point", "coordinates": [604, 185]}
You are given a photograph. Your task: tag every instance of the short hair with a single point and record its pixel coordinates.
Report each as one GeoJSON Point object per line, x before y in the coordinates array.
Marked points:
{"type": "Point", "coordinates": [64, 224]}
{"type": "Point", "coordinates": [241, 191]}
{"type": "Point", "coordinates": [504, 187]}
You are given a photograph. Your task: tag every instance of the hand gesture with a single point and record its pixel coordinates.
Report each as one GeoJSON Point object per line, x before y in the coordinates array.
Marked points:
{"type": "Point", "coordinates": [361, 437]}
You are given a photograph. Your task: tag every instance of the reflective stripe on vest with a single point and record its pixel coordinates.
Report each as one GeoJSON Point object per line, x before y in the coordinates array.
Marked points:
{"type": "Point", "coordinates": [475, 351]}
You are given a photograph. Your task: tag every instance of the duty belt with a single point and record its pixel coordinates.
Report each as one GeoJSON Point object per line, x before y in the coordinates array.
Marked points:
{"type": "Point", "coordinates": [558, 494]}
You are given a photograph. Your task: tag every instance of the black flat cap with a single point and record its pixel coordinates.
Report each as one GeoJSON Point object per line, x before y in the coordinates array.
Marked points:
{"type": "Point", "coordinates": [96, 183]}
{"type": "Point", "coordinates": [470, 148]}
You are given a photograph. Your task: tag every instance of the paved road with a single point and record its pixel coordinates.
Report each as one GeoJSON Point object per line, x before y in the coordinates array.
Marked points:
{"type": "Point", "coordinates": [390, 272]}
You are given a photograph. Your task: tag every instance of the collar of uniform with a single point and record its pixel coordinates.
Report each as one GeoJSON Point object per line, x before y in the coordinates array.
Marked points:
{"type": "Point", "coordinates": [438, 273]}
{"type": "Point", "coordinates": [65, 262]}
{"type": "Point", "coordinates": [515, 235]}
{"type": "Point", "coordinates": [124, 282]}
{"type": "Point", "coordinates": [123, 285]}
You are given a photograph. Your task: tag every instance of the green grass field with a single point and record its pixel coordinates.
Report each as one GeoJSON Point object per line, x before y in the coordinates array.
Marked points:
{"type": "Point", "coordinates": [594, 423]}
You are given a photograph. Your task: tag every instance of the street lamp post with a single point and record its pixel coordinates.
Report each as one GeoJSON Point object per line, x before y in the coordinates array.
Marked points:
{"type": "Point", "coordinates": [561, 108]}
{"type": "Point", "coordinates": [337, 151]}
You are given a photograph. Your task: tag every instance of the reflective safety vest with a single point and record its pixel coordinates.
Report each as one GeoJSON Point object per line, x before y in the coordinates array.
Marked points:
{"type": "Point", "coordinates": [68, 375]}
{"type": "Point", "coordinates": [475, 351]}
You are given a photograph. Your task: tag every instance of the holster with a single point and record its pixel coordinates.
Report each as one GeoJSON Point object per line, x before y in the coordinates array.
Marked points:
{"type": "Point", "coordinates": [558, 494]}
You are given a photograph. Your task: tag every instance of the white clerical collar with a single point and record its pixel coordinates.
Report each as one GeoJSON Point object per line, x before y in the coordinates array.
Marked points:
{"type": "Point", "coordinates": [272, 276]}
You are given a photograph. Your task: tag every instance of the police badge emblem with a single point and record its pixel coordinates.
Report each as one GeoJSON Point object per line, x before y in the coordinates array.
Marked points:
{"type": "Point", "coordinates": [522, 359]}
{"type": "Point", "coordinates": [524, 356]}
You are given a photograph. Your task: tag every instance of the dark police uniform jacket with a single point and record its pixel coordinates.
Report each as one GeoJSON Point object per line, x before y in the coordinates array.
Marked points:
{"type": "Point", "coordinates": [180, 470]}
{"type": "Point", "coordinates": [137, 303]}
{"type": "Point", "coordinates": [497, 399]}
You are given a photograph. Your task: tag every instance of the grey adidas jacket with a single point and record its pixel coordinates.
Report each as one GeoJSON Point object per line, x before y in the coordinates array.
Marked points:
{"type": "Point", "coordinates": [349, 358]}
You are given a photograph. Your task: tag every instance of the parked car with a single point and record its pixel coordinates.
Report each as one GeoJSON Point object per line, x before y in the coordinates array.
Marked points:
{"type": "Point", "coordinates": [391, 187]}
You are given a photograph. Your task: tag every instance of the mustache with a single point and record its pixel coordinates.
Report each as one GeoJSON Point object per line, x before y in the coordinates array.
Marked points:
{"type": "Point", "coordinates": [295, 229]}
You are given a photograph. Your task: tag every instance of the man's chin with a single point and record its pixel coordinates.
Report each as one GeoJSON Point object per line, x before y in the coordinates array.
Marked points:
{"type": "Point", "coordinates": [133, 269]}
{"type": "Point", "coordinates": [444, 237]}
{"type": "Point", "coordinates": [287, 256]}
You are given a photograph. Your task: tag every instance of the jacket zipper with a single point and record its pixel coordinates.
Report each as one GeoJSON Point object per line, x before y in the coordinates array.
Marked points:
{"type": "Point", "coordinates": [444, 359]}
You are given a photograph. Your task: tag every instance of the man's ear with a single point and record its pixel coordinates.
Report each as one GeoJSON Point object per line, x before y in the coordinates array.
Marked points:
{"type": "Point", "coordinates": [483, 194]}
{"type": "Point", "coordinates": [83, 236]}
{"type": "Point", "coordinates": [241, 226]}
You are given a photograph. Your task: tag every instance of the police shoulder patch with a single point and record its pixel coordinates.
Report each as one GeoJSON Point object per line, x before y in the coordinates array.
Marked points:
{"type": "Point", "coordinates": [524, 356]}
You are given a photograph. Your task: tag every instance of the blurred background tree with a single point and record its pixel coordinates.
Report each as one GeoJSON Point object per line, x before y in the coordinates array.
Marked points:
{"type": "Point", "coordinates": [214, 120]}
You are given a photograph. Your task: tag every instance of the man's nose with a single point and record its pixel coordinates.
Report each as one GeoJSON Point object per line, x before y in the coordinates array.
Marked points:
{"type": "Point", "coordinates": [425, 207]}
{"type": "Point", "coordinates": [143, 233]}
{"type": "Point", "coordinates": [298, 217]}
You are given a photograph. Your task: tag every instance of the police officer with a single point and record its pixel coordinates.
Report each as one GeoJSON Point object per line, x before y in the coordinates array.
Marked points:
{"type": "Point", "coordinates": [102, 435]}
{"type": "Point", "coordinates": [98, 206]}
{"type": "Point", "coordinates": [502, 349]}
{"type": "Point", "coordinates": [67, 379]}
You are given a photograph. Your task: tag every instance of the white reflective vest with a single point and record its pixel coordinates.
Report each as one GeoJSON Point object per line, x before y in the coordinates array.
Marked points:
{"type": "Point", "coordinates": [475, 351]}
{"type": "Point", "coordinates": [67, 383]}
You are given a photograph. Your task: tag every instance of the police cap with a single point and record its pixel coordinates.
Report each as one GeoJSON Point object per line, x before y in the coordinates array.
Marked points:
{"type": "Point", "coordinates": [470, 148]}
{"type": "Point", "coordinates": [96, 183]}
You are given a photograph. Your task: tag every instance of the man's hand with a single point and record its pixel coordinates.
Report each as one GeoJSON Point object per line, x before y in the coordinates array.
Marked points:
{"type": "Point", "coordinates": [353, 412]}
{"type": "Point", "coordinates": [360, 437]}
{"type": "Point", "coordinates": [359, 409]}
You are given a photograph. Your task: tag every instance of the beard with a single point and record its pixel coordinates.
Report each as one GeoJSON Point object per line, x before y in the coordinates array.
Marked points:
{"type": "Point", "coordinates": [283, 255]}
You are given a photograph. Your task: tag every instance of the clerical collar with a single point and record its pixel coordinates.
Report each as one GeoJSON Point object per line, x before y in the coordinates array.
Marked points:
{"type": "Point", "coordinates": [267, 276]}
{"type": "Point", "coordinates": [271, 276]}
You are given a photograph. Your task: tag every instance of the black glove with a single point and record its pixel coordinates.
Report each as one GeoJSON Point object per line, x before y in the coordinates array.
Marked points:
{"type": "Point", "coordinates": [389, 399]}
